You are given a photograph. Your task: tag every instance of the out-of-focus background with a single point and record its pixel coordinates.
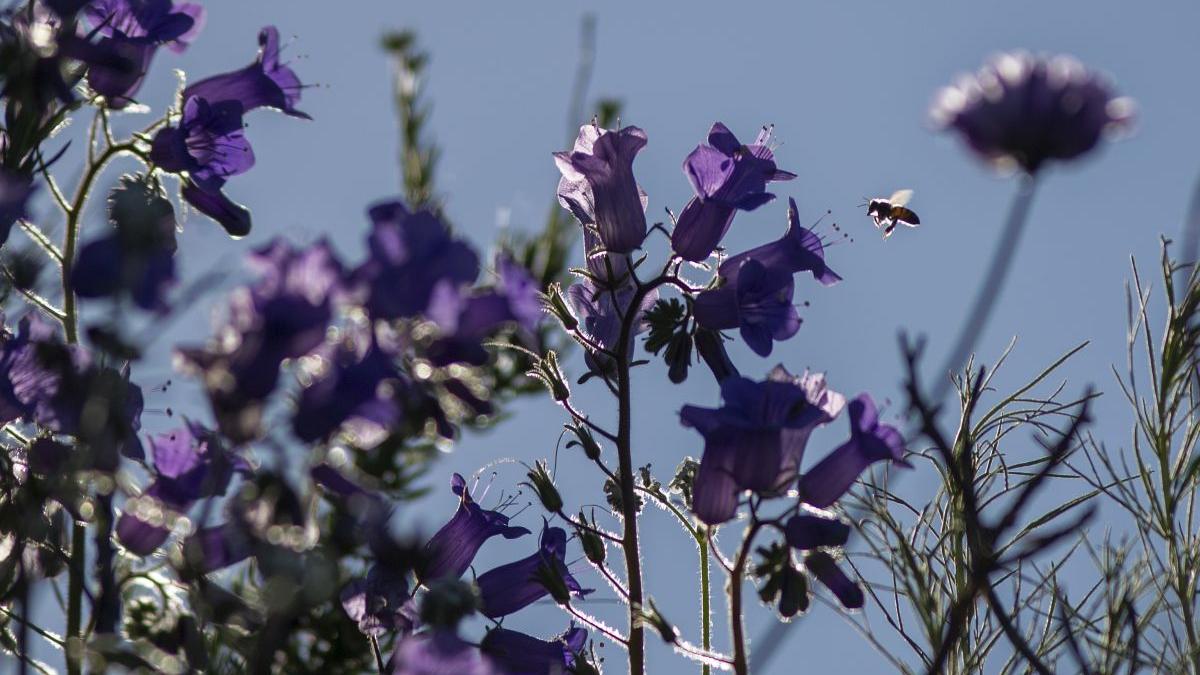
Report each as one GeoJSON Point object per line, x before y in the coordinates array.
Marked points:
{"type": "Point", "coordinates": [847, 86]}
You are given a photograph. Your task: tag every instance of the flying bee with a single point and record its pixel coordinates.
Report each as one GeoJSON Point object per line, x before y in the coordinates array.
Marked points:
{"type": "Point", "coordinates": [887, 213]}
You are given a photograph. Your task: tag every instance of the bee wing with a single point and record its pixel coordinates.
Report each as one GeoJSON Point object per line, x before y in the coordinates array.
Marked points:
{"type": "Point", "coordinates": [906, 216]}
{"type": "Point", "coordinates": [900, 197]}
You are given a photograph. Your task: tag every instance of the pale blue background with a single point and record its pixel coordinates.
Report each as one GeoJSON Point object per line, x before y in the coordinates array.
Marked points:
{"type": "Point", "coordinates": [847, 85]}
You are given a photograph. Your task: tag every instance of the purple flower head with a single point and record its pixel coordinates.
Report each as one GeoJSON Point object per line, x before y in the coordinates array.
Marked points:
{"type": "Point", "coordinates": [208, 147]}
{"type": "Point", "coordinates": [757, 300]}
{"type": "Point", "coordinates": [466, 320]}
{"type": "Point", "coordinates": [410, 254]}
{"type": "Point", "coordinates": [379, 603]}
{"type": "Point", "coordinates": [15, 191]}
{"type": "Point", "coordinates": [509, 588]}
{"type": "Point", "coordinates": [360, 386]}
{"type": "Point", "coordinates": [282, 316]}
{"type": "Point", "coordinates": [190, 464]}
{"type": "Point", "coordinates": [598, 186]}
{"type": "Point", "coordinates": [1024, 110]}
{"type": "Point", "coordinates": [138, 257]}
{"type": "Point", "coordinates": [726, 176]}
{"type": "Point", "coordinates": [214, 548]}
{"type": "Point", "coordinates": [798, 250]}
{"type": "Point", "coordinates": [439, 652]}
{"type": "Point", "coordinates": [267, 82]}
{"type": "Point", "coordinates": [756, 440]}
{"type": "Point", "coordinates": [600, 315]}
{"type": "Point", "coordinates": [452, 548]}
{"type": "Point", "coordinates": [520, 654]}
{"type": "Point", "coordinates": [870, 441]}
{"type": "Point", "coordinates": [822, 566]}
{"type": "Point", "coordinates": [134, 29]}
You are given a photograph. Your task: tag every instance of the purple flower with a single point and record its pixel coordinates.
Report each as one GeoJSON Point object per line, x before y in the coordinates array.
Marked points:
{"type": "Point", "coordinates": [822, 566]}
{"type": "Point", "coordinates": [598, 186]}
{"type": "Point", "coordinates": [798, 250]}
{"type": "Point", "coordinates": [439, 652]}
{"type": "Point", "coordinates": [208, 146]}
{"type": "Point", "coordinates": [509, 588]}
{"type": "Point", "coordinates": [15, 191]}
{"type": "Point", "coordinates": [214, 548]}
{"type": "Point", "coordinates": [265, 83]}
{"type": "Point", "coordinates": [134, 29]}
{"type": "Point", "coordinates": [190, 464]}
{"type": "Point", "coordinates": [600, 312]}
{"type": "Point", "coordinates": [806, 532]}
{"type": "Point", "coordinates": [452, 548]}
{"type": "Point", "coordinates": [757, 299]}
{"type": "Point", "coordinates": [466, 320]}
{"type": "Point", "coordinates": [410, 254]}
{"type": "Point", "coordinates": [870, 441]}
{"type": "Point", "coordinates": [1023, 110]}
{"type": "Point", "coordinates": [520, 654]}
{"type": "Point", "coordinates": [284, 315]}
{"type": "Point", "coordinates": [711, 347]}
{"type": "Point", "coordinates": [362, 387]}
{"type": "Point", "coordinates": [138, 257]}
{"type": "Point", "coordinates": [726, 176]}
{"type": "Point", "coordinates": [379, 603]}
{"type": "Point", "coordinates": [756, 440]}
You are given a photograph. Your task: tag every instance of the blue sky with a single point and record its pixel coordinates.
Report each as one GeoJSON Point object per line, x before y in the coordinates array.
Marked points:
{"type": "Point", "coordinates": [847, 86]}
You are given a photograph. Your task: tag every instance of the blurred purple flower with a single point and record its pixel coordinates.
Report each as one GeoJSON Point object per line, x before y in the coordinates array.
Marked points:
{"type": "Point", "coordinates": [1024, 110]}
{"type": "Point", "coordinates": [520, 654]}
{"type": "Point", "coordinates": [726, 176]}
{"type": "Point", "coordinates": [509, 588]}
{"type": "Point", "coordinates": [284, 315]}
{"type": "Point", "coordinates": [134, 29]}
{"type": "Point", "coordinates": [410, 254]}
{"type": "Point", "coordinates": [190, 463]}
{"type": "Point", "coordinates": [466, 320]}
{"type": "Point", "coordinates": [364, 387]}
{"type": "Point", "coordinates": [452, 548]}
{"type": "Point", "coordinates": [870, 441]}
{"type": "Point", "coordinates": [439, 652]}
{"type": "Point", "coordinates": [806, 531]}
{"type": "Point", "coordinates": [379, 603]}
{"type": "Point", "coordinates": [756, 440]}
{"type": "Point", "coordinates": [265, 83]}
{"type": "Point", "coordinates": [599, 189]}
{"type": "Point", "coordinates": [214, 548]}
{"type": "Point", "coordinates": [208, 146]}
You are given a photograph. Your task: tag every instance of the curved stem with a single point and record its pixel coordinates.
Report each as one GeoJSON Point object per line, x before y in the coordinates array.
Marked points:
{"type": "Point", "coordinates": [993, 283]}
{"type": "Point", "coordinates": [740, 657]}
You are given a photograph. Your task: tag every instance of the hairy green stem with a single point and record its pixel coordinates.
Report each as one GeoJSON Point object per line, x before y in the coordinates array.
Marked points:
{"type": "Point", "coordinates": [705, 599]}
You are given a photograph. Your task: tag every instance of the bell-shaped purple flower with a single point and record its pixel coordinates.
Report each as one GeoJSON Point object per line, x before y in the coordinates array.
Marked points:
{"type": "Point", "coordinates": [870, 441]}
{"type": "Point", "coordinates": [268, 82]}
{"type": "Point", "coordinates": [135, 29]}
{"type": "Point", "coordinates": [360, 387]}
{"type": "Point", "coordinates": [410, 254]}
{"type": "Point", "coordinates": [379, 603]}
{"type": "Point", "coordinates": [15, 191]}
{"type": "Point", "coordinates": [208, 147]}
{"type": "Point", "coordinates": [520, 654]}
{"type": "Point", "coordinates": [726, 176]}
{"type": "Point", "coordinates": [808, 531]}
{"type": "Point", "coordinates": [798, 250]}
{"type": "Point", "coordinates": [465, 320]}
{"type": "Point", "coordinates": [509, 588]}
{"type": "Point", "coordinates": [756, 440]}
{"type": "Point", "coordinates": [599, 189]}
{"type": "Point", "coordinates": [822, 566]}
{"type": "Point", "coordinates": [439, 652]}
{"type": "Point", "coordinates": [452, 548]}
{"type": "Point", "coordinates": [757, 300]}
{"type": "Point", "coordinates": [600, 312]}
{"type": "Point", "coordinates": [1024, 110]}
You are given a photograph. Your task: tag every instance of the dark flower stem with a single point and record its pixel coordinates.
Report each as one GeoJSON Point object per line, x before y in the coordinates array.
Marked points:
{"type": "Point", "coordinates": [378, 655]}
{"type": "Point", "coordinates": [741, 660]}
{"type": "Point", "coordinates": [993, 283]}
{"type": "Point", "coordinates": [75, 567]}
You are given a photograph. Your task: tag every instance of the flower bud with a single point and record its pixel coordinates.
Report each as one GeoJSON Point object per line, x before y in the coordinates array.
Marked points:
{"type": "Point", "coordinates": [543, 484]}
{"type": "Point", "coordinates": [585, 440]}
{"type": "Point", "coordinates": [556, 304]}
